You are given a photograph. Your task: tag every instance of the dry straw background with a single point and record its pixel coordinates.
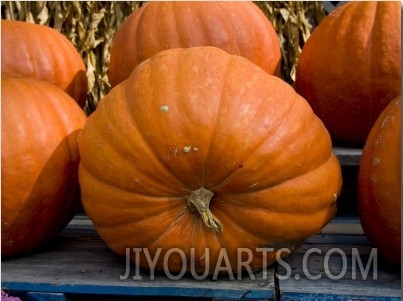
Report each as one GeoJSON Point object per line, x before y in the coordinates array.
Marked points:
{"type": "Point", "coordinates": [91, 26]}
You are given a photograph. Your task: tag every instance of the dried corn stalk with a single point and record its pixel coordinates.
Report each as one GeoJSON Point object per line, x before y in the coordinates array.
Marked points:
{"type": "Point", "coordinates": [91, 26]}
{"type": "Point", "coordinates": [293, 22]}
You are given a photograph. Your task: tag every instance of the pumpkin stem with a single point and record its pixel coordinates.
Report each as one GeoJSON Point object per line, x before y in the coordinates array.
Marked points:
{"type": "Point", "coordinates": [198, 203]}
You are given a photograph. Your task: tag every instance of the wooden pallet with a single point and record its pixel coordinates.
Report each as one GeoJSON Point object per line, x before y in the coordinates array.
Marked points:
{"type": "Point", "coordinates": [79, 266]}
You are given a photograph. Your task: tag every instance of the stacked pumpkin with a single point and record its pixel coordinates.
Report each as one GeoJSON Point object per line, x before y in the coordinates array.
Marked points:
{"type": "Point", "coordinates": [379, 184]}
{"type": "Point", "coordinates": [349, 69]}
{"type": "Point", "coordinates": [199, 146]}
{"type": "Point", "coordinates": [350, 73]}
{"type": "Point", "coordinates": [40, 122]}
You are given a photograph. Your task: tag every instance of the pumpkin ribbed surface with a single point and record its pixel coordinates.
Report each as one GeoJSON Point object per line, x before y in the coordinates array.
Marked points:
{"type": "Point", "coordinates": [350, 67]}
{"type": "Point", "coordinates": [379, 184]}
{"type": "Point", "coordinates": [39, 163]}
{"type": "Point", "coordinates": [199, 123]}
{"type": "Point", "coordinates": [236, 27]}
{"type": "Point", "coordinates": [41, 52]}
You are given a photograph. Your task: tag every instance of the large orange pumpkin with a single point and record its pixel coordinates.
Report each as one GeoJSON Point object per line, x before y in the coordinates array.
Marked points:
{"type": "Point", "coordinates": [236, 27]}
{"type": "Point", "coordinates": [39, 163]}
{"type": "Point", "coordinates": [379, 184]}
{"type": "Point", "coordinates": [41, 52]}
{"type": "Point", "coordinates": [205, 150]}
{"type": "Point", "coordinates": [350, 67]}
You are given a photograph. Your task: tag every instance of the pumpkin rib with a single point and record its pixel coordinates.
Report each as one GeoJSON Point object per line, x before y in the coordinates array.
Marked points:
{"type": "Point", "coordinates": [156, 156]}
{"type": "Point", "coordinates": [199, 235]}
{"type": "Point", "coordinates": [293, 140]}
{"type": "Point", "coordinates": [294, 232]}
{"type": "Point", "coordinates": [124, 157]}
{"type": "Point", "coordinates": [125, 198]}
{"type": "Point", "coordinates": [281, 184]}
{"type": "Point", "coordinates": [199, 225]}
{"type": "Point", "coordinates": [184, 237]}
{"type": "Point", "coordinates": [146, 240]}
{"type": "Point", "coordinates": [258, 145]}
{"type": "Point", "coordinates": [179, 207]}
{"type": "Point", "coordinates": [216, 124]}
{"type": "Point", "coordinates": [157, 240]}
{"type": "Point", "coordinates": [174, 32]}
{"type": "Point", "coordinates": [219, 212]}
{"type": "Point", "coordinates": [102, 179]}
{"type": "Point", "coordinates": [182, 216]}
{"type": "Point", "coordinates": [206, 234]}
{"type": "Point", "coordinates": [224, 17]}
{"type": "Point", "coordinates": [199, 239]}
{"type": "Point", "coordinates": [179, 31]}
{"type": "Point", "coordinates": [176, 81]}
{"type": "Point", "coordinates": [140, 12]}
{"type": "Point", "coordinates": [235, 224]}
{"type": "Point", "coordinates": [258, 236]}
{"type": "Point", "coordinates": [233, 221]}
{"type": "Point", "coordinates": [283, 215]}
{"type": "Point", "coordinates": [235, 237]}
{"type": "Point", "coordinates": [98, 181]}
{"type": "Point", "coordinates": [180, 199]}
{"type": "Point", "coordinates": [235, 208]}
{"type": "Point", "coordinates": [148, 145]}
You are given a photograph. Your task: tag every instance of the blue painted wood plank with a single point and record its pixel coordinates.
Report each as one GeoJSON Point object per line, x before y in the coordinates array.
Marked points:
{"type": "Point", "coordinates": [295, 296]}
{"type": "Point", "coordinates": [39, 296]}
{"type": "Point", "coordinates": [213, 292]}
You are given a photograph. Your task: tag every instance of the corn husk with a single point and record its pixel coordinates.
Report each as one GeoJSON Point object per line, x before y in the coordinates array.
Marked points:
{"type": "Point", "coordinates": [293, 22]}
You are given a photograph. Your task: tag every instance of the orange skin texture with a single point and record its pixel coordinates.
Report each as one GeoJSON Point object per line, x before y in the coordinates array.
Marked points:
{"type": "Point", "coordinates": [38, 51]}
{"type": "Point", "coordinates": [379, 184]}
{"type": "Point", "coordinates": [39, 163]}
{"type": "Point", "coordinates": [200, 117]}
{"type": "Point", "coordinates": [350, 68]}
{"type": "Point", "coordinates": [239, 28]}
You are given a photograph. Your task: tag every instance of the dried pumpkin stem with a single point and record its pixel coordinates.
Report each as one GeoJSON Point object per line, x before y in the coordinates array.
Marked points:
{"type": "Point", "coordinates": [198, 203]}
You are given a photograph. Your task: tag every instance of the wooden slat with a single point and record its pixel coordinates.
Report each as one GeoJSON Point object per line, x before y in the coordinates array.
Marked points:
{"type": "Point", "coordinates": [79, 262]}
{"type": "Point", "coordinates": [348, 156]}
{"type": "Point", "coordinates": [373, 280]}
{"type": "Point", "coordinates": [344, 225]}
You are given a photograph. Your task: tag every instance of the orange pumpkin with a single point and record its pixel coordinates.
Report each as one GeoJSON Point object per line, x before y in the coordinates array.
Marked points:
{"type": "Point", "coordinates": [39, 163]}
{"type": "Point", "coordinates": [205, 150]}
{"type": "Point", "coordinates": [379, 184]}
{"type": "Point", "coordinates": [41, 52]}
{"type": "Point", "coordinates": [236, 27]}
{"type": "Point", "coordinates": [350, 67]}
